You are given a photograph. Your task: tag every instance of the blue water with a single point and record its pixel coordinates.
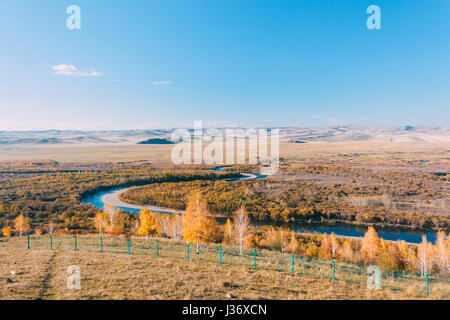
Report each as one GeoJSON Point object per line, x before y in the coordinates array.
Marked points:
{"type": "Point", "coordinates": [358, 231]}
{"type": "Point", "coordinates": [96, 201]}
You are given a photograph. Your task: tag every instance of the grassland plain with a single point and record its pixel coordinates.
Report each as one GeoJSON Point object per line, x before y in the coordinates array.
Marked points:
{"type": "Point", "coordinates": [370, 152]}
{"type": "Point", "coordinates": [41, 273]}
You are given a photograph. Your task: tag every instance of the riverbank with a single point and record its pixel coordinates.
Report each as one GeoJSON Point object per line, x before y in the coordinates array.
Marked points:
{"type": "Point", "coordinates": [340, 229]}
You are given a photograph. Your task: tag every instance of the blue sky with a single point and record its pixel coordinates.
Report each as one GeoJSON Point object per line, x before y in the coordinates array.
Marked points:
{"type": "Point", "coordinates": [163, 64]}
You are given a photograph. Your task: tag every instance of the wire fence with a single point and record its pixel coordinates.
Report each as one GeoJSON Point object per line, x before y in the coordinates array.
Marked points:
{"type": "Point", "coordinates": [413, 283]}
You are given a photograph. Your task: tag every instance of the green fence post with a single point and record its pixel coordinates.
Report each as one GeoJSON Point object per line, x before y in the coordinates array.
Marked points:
{"type": "Point", "coordinates": [254, 259]}
{"type": "Point", "coordinates": [427, 280]}
{"type": "Point", "coordinates": [51, 243]}
{"type": "Point", "coordinates": [101, 245]}
{"type": "Point", "coordinates": [220, 254]}
{"type": "Point", "coordinates": [128, 240]}
{"type": "Point", "coordinates": [292, 266]}
{"type": "Point", "coordinates": [28, 241]}
{"type": "Point", "coordinates": [75, 237]}
{"type": "Point", "coordinates": [334, 269]}
{"type": "Point", "coordinates": [187, 250]}
{"type": "Point", "coordinates": [157, 248]}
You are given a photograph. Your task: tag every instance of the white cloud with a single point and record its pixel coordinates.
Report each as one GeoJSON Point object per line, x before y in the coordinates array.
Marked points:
{"type": "Point", "coordinates": [71, 70]}
{"type": "Point", "coordinates": [159, 83]}
{"type": "Point", "coordinates": [314, 116]}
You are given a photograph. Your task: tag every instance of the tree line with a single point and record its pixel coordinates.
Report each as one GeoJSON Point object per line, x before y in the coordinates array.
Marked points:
{"type": "Point", "coordinates": [288, 201]}
{"type": "Point", "coordinates": [47, 194]}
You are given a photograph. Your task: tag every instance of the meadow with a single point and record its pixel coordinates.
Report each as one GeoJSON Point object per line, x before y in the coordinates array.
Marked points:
{"type": "Point", "coordinates": [169, 273]}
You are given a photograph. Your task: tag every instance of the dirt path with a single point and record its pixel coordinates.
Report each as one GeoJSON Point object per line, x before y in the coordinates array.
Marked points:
{"type": "Point", "coordinates": [23, 272]}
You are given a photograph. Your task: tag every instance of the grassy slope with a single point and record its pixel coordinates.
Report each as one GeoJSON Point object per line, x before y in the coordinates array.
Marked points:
{"type": "Point", "coordinates": [42, 275]}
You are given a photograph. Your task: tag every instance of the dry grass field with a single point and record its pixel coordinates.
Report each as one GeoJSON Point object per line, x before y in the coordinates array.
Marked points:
{"type": "Point", "coordinates": [358, 153]}
{"type": "Point", "coordinates": [42, 274]}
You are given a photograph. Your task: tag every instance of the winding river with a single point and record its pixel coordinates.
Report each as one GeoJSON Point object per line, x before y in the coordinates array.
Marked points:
{"type": "Point", "coordinates": [100, 199]}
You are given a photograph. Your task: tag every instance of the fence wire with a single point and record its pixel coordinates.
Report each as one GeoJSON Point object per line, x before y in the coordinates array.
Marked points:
{"type": "Point", "coordinates": [394, 280]}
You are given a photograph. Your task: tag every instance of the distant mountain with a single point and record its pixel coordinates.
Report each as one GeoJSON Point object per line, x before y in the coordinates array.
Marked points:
{"type": "Point", "coordinates": [31, 141]}
{"type": "Point", "coordinates": [156, 141]}
{"type": "Point", "coordinates": [297, 135]}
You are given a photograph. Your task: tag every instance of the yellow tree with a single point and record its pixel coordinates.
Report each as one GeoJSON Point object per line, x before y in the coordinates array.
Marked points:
{"type": "Point", "coordinates": [370, 245]}
{"type": "Point", "coordinates": [101, 222]}
{"type": "Point", "coordinates": [110, 214]}
{"type": "Point", "coordinates": [407, 254]}
{"type": "Point", "coordinates": [241, 224]}
{"type": "Point", "coordinates": [271, 239]}
{"type": "Point", "coordinates": [425, 256]}
{"type": "Point", "coordinates": [6, 232]}
{"type": "Point", "coordinates": [335, 247]}
{"type": "Point", "coordinates": [50, 228]}
{"type": "Point", "coordinates": [284, 238]}
{"type": "Point", "coordinates": [391, 256]}
{"type": "Point", "coordinates": [293, 243]}
{"type": "Point", "coordinates": [198, 226]}
{"type": "Point", "coordinates": [115, 220]}
{"type": "Point", "coordinates": [325, 247]}
{"type": "Point", "coordinates": [442, 248]}
{"type": "Point", "coordinates": [21, 224]}
{"type": "Point", "coordinates": [163, 224]}
{"type": "Point", "coordinates": [149, 224]}
{"type": "Point", "coordinates": [228, 232]}
{"type": "Point", "coordinates": [347, 252]}
{"type": "Point", "coordinates": [176, 226]}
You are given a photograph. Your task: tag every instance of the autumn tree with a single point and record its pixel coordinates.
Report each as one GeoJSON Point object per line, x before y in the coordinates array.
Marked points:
{"type": "Point", "coordinates": [21, 224]}
{"type": "Point", "coordinates": [425, 256]}
{"type": "Point", "coordinates": [370, 245]}
{"type": "Point", "coordinates": [111, 214]}
{"type": "Point", "coordinates": [164, 221]}
{"type": "Point", "coordinates": [293, 243]}
{"type": "Point", "coordinates": [115, 220]}
{"type": "Point", "coordinates": [228, 232]}
{"type": "Point", "coordinates": [312, 250]}
{"type": "Point", "coordinates": [6, 232]}
{"type": "Point", "coordinates": [335, 247]}
{"type": "Point", "coordinates": [346, 251]}
{"type": "Point", "coordinates": [241, 225]}
{"type": "Point", "coordinates": [101, 222]}
{"type": "Point", "coordinates": [148, 221]}
{"type": "Point", "coordinates": [271, 239]}
{"type": "Point", "coordinates": [325, 247]}
{"type": "Point", "coordinates": [442, 251]}
{"type": "Point", "coordinates": [284, 239]}
{"type": "Point", "coordinates": [277, 239]}
{"type": "Point", "coordinates": [408, 255]}
{"type": "Point", "coordinates": [176, 226]}
{"type": "Point", "coordinates": [391, 256]}
{"type": "Point", "coordinates": [198, 225]}
{"type": "Point", "coordinates": [50, 228]}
